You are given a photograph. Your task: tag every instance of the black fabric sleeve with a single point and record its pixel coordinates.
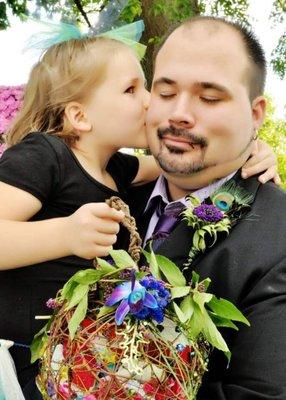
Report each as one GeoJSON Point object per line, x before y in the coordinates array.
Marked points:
{"type": "Point", "coordinates": [31, 165]}
{"type": "Point", "coordinates": [124, 168]}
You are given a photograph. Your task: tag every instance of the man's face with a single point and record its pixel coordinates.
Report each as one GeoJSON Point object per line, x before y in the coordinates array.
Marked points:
{"type": "Point", "coordinates": [200, 114]}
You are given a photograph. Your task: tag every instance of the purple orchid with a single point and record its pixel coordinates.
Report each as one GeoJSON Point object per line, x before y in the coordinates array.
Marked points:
{"type": "Point", "coordinates": [134, 298]}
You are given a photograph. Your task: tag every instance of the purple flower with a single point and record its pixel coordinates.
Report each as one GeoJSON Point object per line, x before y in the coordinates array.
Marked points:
{"type": "Point", "coordinates": [52, 303]}
{"type": "Point", "coordinates": [10, 103]}
{"type": "Point", "coordinates": [208, 213]}
{"type": "Point", "coordinates": [133, 296]}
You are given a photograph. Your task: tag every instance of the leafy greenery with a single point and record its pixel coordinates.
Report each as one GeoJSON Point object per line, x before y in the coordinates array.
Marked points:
{"type": "Point", "coordinates": [198, 313]}
{"type": "Point", "coordinates": [273, 132]}
{"type": "Point", "coordinates": [158, 15]}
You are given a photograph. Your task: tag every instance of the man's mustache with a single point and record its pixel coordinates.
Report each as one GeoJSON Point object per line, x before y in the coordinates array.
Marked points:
{"type": "Point", "coordinates": [194, 139]}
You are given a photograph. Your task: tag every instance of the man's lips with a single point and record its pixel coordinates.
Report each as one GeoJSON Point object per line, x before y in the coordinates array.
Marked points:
{"type": "Point", "coordinates": [180, 142]}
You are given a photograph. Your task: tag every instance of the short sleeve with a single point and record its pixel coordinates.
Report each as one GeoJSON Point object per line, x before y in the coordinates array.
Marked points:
{"type": "Point", "coordinates": [123, 168]}
{"type": "Point", "coordinates": [31, 165]}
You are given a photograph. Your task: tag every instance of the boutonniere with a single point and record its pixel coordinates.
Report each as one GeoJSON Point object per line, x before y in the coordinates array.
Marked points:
{"type": "Point", "coordinates": [219, 213]}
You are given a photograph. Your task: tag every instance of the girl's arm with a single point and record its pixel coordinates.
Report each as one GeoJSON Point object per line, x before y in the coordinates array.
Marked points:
{"type": "Point", "coordinates": [262, 160]}
{"type": "Point", "coordinates": [87, 233]}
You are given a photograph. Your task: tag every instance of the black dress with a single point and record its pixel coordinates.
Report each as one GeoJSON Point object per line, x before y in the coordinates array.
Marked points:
{"type": "Point", "coordinates": [44, 166]}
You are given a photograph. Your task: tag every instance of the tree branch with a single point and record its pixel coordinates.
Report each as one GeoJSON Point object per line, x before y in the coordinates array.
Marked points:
{"type": "Point", "coordinates": [83, 13]}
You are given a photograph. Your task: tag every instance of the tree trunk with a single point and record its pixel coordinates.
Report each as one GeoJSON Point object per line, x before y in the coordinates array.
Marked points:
{"type": "Point", "coordinates": [156, 27]}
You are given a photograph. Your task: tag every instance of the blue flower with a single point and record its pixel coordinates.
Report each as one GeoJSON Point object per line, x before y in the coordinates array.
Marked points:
{"type": "Point", "coordinates": [133, 296]}
{"type": "Point", "coordinates": [144, 299]}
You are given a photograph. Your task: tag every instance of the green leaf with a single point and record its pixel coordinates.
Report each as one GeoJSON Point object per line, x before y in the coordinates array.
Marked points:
{"type": "Point", "coordinates": [196, 323]}
{"type": "Point", "coordinates": [78, 294]}
{"type": "Point", "coordinates": [187, 307]}
{"type": "Point", "coordinates": [182, 317]}
{"type": "Point", "coordinates": [87, 276]}
{"type": "Point", "coordinates": [226, 309]}
{"type": "Point", "coordinates": [152, 261]}
{"type": "Point", "coordinates": [201, 299]}
{"type": "Point", "coordinates": [104, 267]}
{"type": "Point", "coordinates": [78, 316]}
{"type": "Point", "coordinates": [212, 334]}
{"type": "Point", "coordinates": [122, 259]}
{"type": "Point", "coordinates": [222, 322]}
{"type": "Point", "coordinates": [206, 282]}
{"type": "Point", "coordinates": [104, 310]}
{"type": "Point", "coordinates": [180, 291]}
{"type": "Point", "coordinates": [195, 278]}
{"type": "Point", "coordinates": [171, 271]}
{"type": "Point", "coordinates": [39, 343]}
{"type": "Point", "coordinates": [67, 290]}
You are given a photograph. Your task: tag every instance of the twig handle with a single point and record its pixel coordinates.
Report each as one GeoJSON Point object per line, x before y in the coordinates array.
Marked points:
{"type": "Point", "coordinates": [130, 224]}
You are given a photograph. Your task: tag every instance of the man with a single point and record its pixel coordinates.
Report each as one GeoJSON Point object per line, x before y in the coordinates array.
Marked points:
{"type": "Point", "coordinates": [206, 106]}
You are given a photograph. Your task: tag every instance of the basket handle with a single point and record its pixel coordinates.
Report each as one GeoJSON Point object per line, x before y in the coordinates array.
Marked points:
{"type": "Point", "coordinates": [130, 224]}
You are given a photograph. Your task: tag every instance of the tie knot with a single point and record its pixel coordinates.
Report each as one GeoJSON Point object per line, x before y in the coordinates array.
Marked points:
{"type": "Point", "coordinates": [168, 217]}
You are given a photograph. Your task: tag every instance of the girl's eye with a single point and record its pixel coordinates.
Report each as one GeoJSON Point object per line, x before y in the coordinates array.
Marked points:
{"type": "Point", "coordinates": [210, 99]}
{"type": "Point", "coordinates": [131, 90]}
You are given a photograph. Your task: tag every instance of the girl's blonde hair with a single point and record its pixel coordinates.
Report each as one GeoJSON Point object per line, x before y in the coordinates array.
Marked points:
{"type": "Point", "coordinates": [67, 72]}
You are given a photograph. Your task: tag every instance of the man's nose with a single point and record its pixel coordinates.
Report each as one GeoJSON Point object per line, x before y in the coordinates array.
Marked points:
{"type": "Point", "coordinates": [182, 115]}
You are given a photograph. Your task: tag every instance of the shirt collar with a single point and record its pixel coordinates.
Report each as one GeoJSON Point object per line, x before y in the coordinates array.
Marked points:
{"type": "Point", "coordinates": [160, 190]}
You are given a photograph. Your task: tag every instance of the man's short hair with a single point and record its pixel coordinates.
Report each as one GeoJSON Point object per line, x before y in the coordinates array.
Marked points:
{"type": "Point", "coordinates": [252, 46]}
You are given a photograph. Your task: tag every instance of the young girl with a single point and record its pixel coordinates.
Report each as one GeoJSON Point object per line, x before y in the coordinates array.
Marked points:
{"type": "Point", "coordinates": [85, 100]}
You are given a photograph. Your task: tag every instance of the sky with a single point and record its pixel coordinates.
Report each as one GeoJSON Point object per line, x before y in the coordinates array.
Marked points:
{"type": "Point", "coordinates": [15, 64]}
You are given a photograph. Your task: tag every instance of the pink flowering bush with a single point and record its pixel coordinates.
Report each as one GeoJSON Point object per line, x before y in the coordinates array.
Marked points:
{"type": "Point", "coordinates": [10, 103]}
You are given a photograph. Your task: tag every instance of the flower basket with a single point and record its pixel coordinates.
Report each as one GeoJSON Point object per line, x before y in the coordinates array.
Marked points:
{"type": "Point", "coordinates": [120, 331]}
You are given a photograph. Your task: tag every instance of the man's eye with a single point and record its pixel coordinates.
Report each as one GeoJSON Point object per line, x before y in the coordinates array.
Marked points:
{"type": "Point", "coordinates": [210, 99]}
{"type": "Point", "coordinates": [166, 95]}
{"type": "Point", "coordinates": [131, 90]}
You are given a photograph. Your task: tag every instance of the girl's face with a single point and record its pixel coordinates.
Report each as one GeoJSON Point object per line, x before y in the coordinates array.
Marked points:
{"type": "Point", "coordinates": [117, 108]}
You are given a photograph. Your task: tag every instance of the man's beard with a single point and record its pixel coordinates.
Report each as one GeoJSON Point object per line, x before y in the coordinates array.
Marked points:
{"type": "Point", "coordinates": [175, 166]}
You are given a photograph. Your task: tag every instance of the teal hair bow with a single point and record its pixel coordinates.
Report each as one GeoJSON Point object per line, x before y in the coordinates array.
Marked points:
{"type": "Point", "coordinates": [55, 33]}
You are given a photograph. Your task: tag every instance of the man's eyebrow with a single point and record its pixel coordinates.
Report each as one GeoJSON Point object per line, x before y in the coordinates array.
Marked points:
{"type": "Point", "coordinates": [163, 80]}
{"type": "Point", "coordinates": [212, 85]}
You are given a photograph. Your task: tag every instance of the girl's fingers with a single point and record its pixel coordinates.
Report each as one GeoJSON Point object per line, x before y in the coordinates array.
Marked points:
{"type": "Point", "coordinates": [270, 174]}
{"type": "Point", "coordinates": [250, 169]}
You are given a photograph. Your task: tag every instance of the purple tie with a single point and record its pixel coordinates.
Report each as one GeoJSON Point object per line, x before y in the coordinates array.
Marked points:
{"type": "Point", "coordinates": [168, 219]}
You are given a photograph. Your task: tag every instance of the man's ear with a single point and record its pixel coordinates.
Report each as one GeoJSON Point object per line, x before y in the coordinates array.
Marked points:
{"type": "Point", "coordinates": [74, 112]}
{"type": "Point", "coordinates": [258, 111]}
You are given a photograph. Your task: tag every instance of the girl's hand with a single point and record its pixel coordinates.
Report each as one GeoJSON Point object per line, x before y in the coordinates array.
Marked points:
{"type": "Point", "coordinates": [92, 230]}
{"type": "Point", "coordinates": [263, 160]}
